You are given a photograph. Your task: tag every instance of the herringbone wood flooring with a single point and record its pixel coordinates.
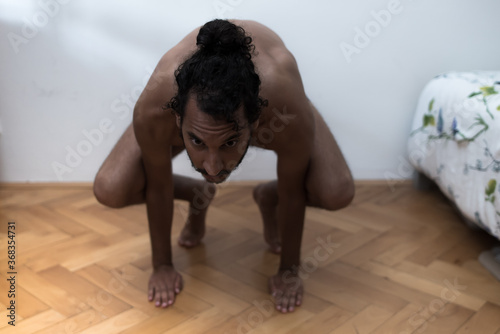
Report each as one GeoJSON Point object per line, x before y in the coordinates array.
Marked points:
{"type": "Point", "coordinates": [395, 261]}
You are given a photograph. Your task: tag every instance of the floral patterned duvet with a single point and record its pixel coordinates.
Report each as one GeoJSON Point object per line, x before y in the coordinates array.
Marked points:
{"type": "Point", "coordinates": [455, 141]}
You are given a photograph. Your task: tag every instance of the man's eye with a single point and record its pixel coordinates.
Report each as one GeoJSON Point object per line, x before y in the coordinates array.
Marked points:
{"type": "Point", "coordinates": [196, 142]}
{"type": "Point", "coordinates": [231, 143]}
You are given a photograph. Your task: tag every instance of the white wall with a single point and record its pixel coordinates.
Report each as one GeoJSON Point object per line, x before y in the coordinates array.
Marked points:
{"type": "Point", "coordinates": [87, 61]}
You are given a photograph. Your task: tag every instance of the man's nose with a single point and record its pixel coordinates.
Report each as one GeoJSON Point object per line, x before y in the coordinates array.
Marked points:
{"type": "Point", "coordinates": [213, 164]}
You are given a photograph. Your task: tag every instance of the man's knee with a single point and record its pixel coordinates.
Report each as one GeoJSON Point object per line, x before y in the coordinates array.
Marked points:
{"type": "Point", "coordinates": [346, 195]}
{"type": "Point", "coordinates": [339, 197]}
{"type": "Point", "coordinates": [105, 192]}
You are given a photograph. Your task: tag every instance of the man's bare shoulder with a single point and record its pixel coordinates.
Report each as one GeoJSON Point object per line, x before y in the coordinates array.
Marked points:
{"type": "Point", "coordinates": [152, 121]}
{"type": "Point", "coordinates": [287, 123]}
{"type": "Point", "coordinates": [289, 115]}
{"type": "Point", "coordinates": [275, 64]}
{"type": "Point", "coordinates": [155, 127]}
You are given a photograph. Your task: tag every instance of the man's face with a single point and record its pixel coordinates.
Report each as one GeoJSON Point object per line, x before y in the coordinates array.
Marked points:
{"type": "Point", "coordinates": [214, 147]}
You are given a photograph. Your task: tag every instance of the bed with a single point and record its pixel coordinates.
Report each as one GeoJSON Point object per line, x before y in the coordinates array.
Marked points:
{"type": "Point", "coordinates": [455, 142]}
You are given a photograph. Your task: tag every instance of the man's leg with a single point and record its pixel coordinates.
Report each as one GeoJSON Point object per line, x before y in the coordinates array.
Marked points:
{"type": "Point", "coordinates": [199, 194]}
{"type": "Point", "coordinates": [121, 182]}
{"type": "Point", "coordinates": [266, 196]}
{"type": "Point", "coordinates": [329, 182]}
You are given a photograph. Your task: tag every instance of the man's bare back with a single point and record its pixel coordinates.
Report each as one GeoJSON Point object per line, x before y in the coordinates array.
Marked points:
{"type": "Point", "coordinates": [139, 168]}
{"type": "Point", "coordinates": [281, 86]}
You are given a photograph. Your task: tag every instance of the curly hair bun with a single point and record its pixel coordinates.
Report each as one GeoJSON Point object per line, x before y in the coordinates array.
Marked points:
{"type": "Point", "coordinates": [220, 74]}
{"type": "Point", "coordinates": [222, 36]}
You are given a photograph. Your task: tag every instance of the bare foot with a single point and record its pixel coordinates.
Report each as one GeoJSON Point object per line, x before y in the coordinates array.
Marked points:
{"type": "Point", "coordinates": [194, 229]}
{"type": "Point", "coordinates": [266, 199]}
{"type": "Point", "coordinates": [192, 233]}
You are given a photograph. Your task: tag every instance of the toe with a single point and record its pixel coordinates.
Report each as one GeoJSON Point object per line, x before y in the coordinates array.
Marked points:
{"type": "Point", "coordinates": [298, 300]}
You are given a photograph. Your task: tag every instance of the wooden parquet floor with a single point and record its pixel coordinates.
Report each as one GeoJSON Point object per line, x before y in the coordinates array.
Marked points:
{"type": "Point", "coordinates": [395, 261]}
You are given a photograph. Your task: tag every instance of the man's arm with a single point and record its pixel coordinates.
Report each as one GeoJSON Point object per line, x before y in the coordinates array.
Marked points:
{"type": "Point", "coordinates": [291, 207]}
{"type": "Point", "coordinates": [293, 162]}
{"type": "Point", "coordinates": [153, 132]}
{"type": "Point", "coordinates": [158, 192]}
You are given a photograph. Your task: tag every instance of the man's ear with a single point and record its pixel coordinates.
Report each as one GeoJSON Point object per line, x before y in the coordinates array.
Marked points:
{"type": "Point", "coordinates": [254, 125]}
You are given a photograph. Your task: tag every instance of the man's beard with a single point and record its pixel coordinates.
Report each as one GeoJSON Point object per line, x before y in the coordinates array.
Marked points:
{"type": "Point", "coordinates": [223, 172]}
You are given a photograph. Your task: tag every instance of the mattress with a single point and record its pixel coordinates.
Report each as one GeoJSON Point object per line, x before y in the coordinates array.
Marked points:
{"type": "Point", "coordinates": [455, 141]}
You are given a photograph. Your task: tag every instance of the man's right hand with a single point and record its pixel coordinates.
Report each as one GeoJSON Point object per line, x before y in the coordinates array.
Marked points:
{"type": "Point", "coordinates": [164, 284]}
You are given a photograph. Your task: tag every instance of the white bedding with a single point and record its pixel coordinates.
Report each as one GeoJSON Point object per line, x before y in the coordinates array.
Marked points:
{"type": "Point", "coordinates": [455, 141]}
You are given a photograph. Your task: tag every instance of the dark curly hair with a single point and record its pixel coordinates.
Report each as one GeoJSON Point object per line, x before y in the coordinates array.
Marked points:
{"type": "Point", "coordinates": [221, 74]}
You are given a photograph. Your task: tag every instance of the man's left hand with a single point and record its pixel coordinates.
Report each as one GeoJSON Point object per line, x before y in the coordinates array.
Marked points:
{"type": "Point", "coordinates": [286, 289]}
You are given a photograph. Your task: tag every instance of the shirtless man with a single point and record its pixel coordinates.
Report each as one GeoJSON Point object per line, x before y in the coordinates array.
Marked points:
{"type": "Point", "coordinates": [214, 94]}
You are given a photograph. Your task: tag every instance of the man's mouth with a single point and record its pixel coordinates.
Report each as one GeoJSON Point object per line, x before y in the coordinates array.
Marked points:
{"type": "Point", "coordinates": [215, 179]}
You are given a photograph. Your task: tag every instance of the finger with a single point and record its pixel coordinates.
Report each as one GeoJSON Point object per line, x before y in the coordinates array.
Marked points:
{"type": "Point", "coordinates": [291, 302]}
{"type": "Point", "coordinates": [157, 297]}
{"type": "Point", "coordinates": [164, 296]}
{"type": "Point", "coordinates": [278, 298]}
{"type": "Point", "coordinates": [171, 295]}
{"type": "Point", "coordinates": [151, 293]}
{"type": "Point", "coordinates": [298, 300]}
{"type": "Point", "coordinates": [284, 303]}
